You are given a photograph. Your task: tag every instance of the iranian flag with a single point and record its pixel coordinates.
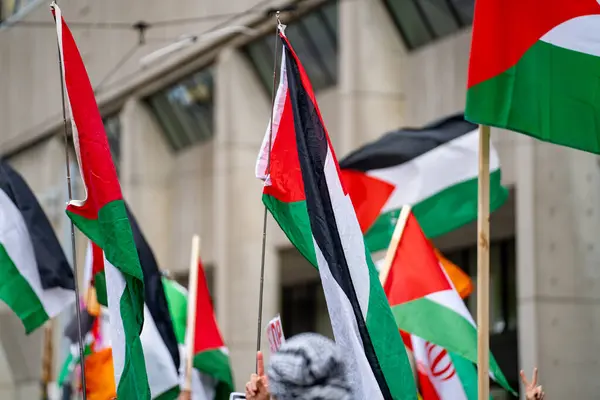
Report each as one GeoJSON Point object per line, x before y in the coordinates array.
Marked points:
{"type": "Point", "coordinates": [36, 281]}
{"type": "Point", "coordinates": [304, 193]}
{"type": "Point", "coordinates": [534, 69]}
{"type": "Point", "coordinates": [433, 169]}
{"type": "Point", "coordinates": [213, 378]}
{"type": "Point", "coordinates": [102, 217]}
{"type": "Point", "coordinates": [426, 304]}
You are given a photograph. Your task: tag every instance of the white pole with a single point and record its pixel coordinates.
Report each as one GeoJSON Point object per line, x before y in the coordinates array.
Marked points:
{"type": "Point", "coordinates": [191, 313]}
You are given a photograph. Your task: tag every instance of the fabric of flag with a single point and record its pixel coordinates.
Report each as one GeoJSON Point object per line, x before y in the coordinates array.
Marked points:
{"type": "Point", "coordinates": [420, 293]}
{"type": "Point", "coordinates": [434, 169]}
{"type": "Point", "coordinates": [534, 69]}
{"type": "Point", "coordinates": [304, 193]}
{"type": "Point", "coordinates": [161, 367]}
{"type": "Point", "coordinates": [211, 359]}
{"type": "Point", "coordinates": [102, 217]}
{"type": "Point", "coordinates": [443, 375]}
{"type": "Point", "coordinates": [36, 280]}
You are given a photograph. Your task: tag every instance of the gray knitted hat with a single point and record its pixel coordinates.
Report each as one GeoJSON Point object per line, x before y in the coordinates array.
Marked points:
{"type": "Point", "coordinates": [308, 367]}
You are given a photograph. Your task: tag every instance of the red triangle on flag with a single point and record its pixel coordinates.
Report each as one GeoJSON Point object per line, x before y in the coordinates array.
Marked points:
{"type": "Point", "coordinates": [206, 335]}
{"type": "Point", "coordinates": [415, 271]}
{"type": "Point", "coordinates": [368, 195]}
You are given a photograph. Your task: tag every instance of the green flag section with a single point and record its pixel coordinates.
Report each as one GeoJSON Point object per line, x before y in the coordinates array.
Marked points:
{"type": "Point", "coordinates": [304, 193]}
{"type": "Point", "coordinates": [534, 69]}
{"type": "Point", "coordinates": [36, 281]}
{"type": "Point", "coordinates": [102, 217]}
{"type": "Point", "coordinates": [433, 169]}
{"type": "Point", "coordinates": [214, 379]}
{"type": "Point", "coordinates": [421, 293]}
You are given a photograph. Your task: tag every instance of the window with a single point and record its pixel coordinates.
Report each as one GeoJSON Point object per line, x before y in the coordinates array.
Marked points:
{"type": "Point", "coordinates": [8, 8]}
{"type": "Point", "coordinates": [185, 110]}
{"type": "Point", "coordinates": [315, 40]}
{"type": "Point", "coordinates": [304, 309]}
{"type": "Point", "coordinates": [422, 21]}
{"type": "Point", "coordinates": [503, 296]}
{"type": "Point", "coordinates": [112, 126]}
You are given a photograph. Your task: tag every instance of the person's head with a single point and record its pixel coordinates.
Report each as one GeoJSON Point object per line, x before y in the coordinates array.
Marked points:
{"type": "Point", "coordinates": [308, 366]}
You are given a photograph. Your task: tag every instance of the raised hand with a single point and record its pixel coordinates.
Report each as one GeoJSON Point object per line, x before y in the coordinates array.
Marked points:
{"type": "Point", "coordinates": [258, 386]}
{"type": "Point", "coordinates": [533, 391]}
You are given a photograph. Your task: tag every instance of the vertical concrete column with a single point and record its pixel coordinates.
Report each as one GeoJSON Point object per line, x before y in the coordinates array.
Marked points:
{"type": "Point", "coordinates": [145, 173]}
{"type": "Point", "coordinates": [558, 192]}
{"type": "Point", "coordinates": [370, 65]}
{"type": "Point", "coordinates": [242, 113]}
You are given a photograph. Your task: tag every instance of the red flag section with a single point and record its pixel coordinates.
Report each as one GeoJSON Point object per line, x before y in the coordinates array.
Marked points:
{"type": "Point", "coordinates": [368, 195]}
{"type": "Point", "coordinates": [415, 271]}
{"type": "Point", "coordinates": [99, 174]}
{"type": "Point", "coordinates": [503, 30]}
{"type": "Point", "coordinates": [207, 335]}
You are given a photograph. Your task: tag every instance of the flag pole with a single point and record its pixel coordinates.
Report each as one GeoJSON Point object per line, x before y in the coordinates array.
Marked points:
{"type": "Point", "coordinates": [265, 213]}
{"type": "Point", "coordinates": [70, 193]}
{"type": "Point", "coordinates": [191, 316]}
{"type": "Point", "coordinates": [47, 359]}
{"type": "Point", "coordinates": [483, 265]}
{"type": "Point", "coordinates": [393, 247]}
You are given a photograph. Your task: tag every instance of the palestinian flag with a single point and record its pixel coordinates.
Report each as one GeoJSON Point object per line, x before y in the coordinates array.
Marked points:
{"type": "Point", "coordinates": [434, 169]}
{"type": "Point", "coordinates": [162, 366]}
{"type": "Point", "coordinates": [36, 281]}
{"type": "Point", "coordinates": [420, 293]}
{"type": "Point", "coordinates": [102, 217]}
{"type": "Point", "coordinates": [304, 192]}
{"type": "Point", "coordinates": [213, 378]}
{"type": "Point", "coordinates": [534, 69]}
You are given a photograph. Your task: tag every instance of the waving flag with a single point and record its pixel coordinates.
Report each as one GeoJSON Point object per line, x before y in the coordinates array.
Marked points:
{"type": "Point", "coordinates": [102, 217]}
{"type": "Point", "coordinates": [304, 193]}
{"type": "Point", "coordinates": [420, 293]}
{"type": "Point", "coordinates": [211, 358]}
{"type": "Point", "coordinates": [535, 67]}
{"type": "Point", "coordinates": [433, 169]}
{"type": "Point", "coordinates": [36, 281]}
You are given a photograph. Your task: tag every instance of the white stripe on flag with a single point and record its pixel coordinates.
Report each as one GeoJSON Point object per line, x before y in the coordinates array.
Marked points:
{"type": "Point", "coordinates": [162, 373]}
{"type": "Point", "coordinates": [15, 238]}
{"type": "Point", "coordinates": [343, 319]}
{"type": "Point", "coordinates": [115, 286]}
{"type": "Point", "coordinates": [447, 165]}
{"type": "Point", "coordinates": [435, 362]}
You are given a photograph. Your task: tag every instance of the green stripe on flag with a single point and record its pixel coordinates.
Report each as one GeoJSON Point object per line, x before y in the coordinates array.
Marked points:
{"type": "Point", "coordinates": [467, 373]}
{"type": "Point", "coordinates": [171, 394]}
{"type": "Point", "coordinates": [441, 213]}
{"type": "Point", "coordinates": [299, 231]}
{"type": "Point", "coordinates": [415, 317]}
{"type": "Point", "coordinates": [17, 293]}
{"type": "Point", "coordinates": [216, 364]}
{"type": "Point", "coordinates": [112, 232]}
{"type": "Point", "coordinates": [522, 100]}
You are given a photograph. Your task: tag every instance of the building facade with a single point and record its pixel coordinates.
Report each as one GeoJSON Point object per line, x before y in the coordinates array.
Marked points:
{"type": "Point", "coordinates": [185, 130]}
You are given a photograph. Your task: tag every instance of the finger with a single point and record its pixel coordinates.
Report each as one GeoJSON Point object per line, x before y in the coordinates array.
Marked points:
{"type": "Point", "coordinates": [535, 377]}
{"type": "Point", "coordinates": [260, 364]}
{"type": "Point", "coordinates": [523, 378]}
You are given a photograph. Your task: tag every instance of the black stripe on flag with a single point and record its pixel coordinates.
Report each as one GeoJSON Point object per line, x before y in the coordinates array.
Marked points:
{"type": "Point", "coordinates": [403, 145]}
{"type": "Point", "coordinates": [53, 267]}
{"type": "Point", "coordinates": [312, 143]}
{"type": "Point", "coordinates": [154, 291]}
{"type": "Point", "coordinates": [87, 322]}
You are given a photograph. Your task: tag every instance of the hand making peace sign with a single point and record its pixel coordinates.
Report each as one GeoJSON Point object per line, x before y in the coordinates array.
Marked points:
{"type": "Point", "coordinates": [533, 391]}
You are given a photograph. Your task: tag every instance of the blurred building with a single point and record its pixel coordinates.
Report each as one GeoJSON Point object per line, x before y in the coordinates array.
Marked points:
{"type": "Point", "coordinates": [185, 130]}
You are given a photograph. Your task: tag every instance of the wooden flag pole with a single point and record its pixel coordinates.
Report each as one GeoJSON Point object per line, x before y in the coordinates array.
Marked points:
{"type": "Point", "coordinates": [483, 265]}
{"type": "Point", "coordinates": [191, 315]}
{"type": "Point", "coordinates": [393, 247]}
{"type": "Point", "coordinates": [47, 359]}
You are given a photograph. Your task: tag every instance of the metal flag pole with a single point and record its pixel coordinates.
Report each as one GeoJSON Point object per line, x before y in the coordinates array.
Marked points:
{"type": "Point", "coordinates": [264, 231]}
{"type": "Point", "coordinates": [70, 193]}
